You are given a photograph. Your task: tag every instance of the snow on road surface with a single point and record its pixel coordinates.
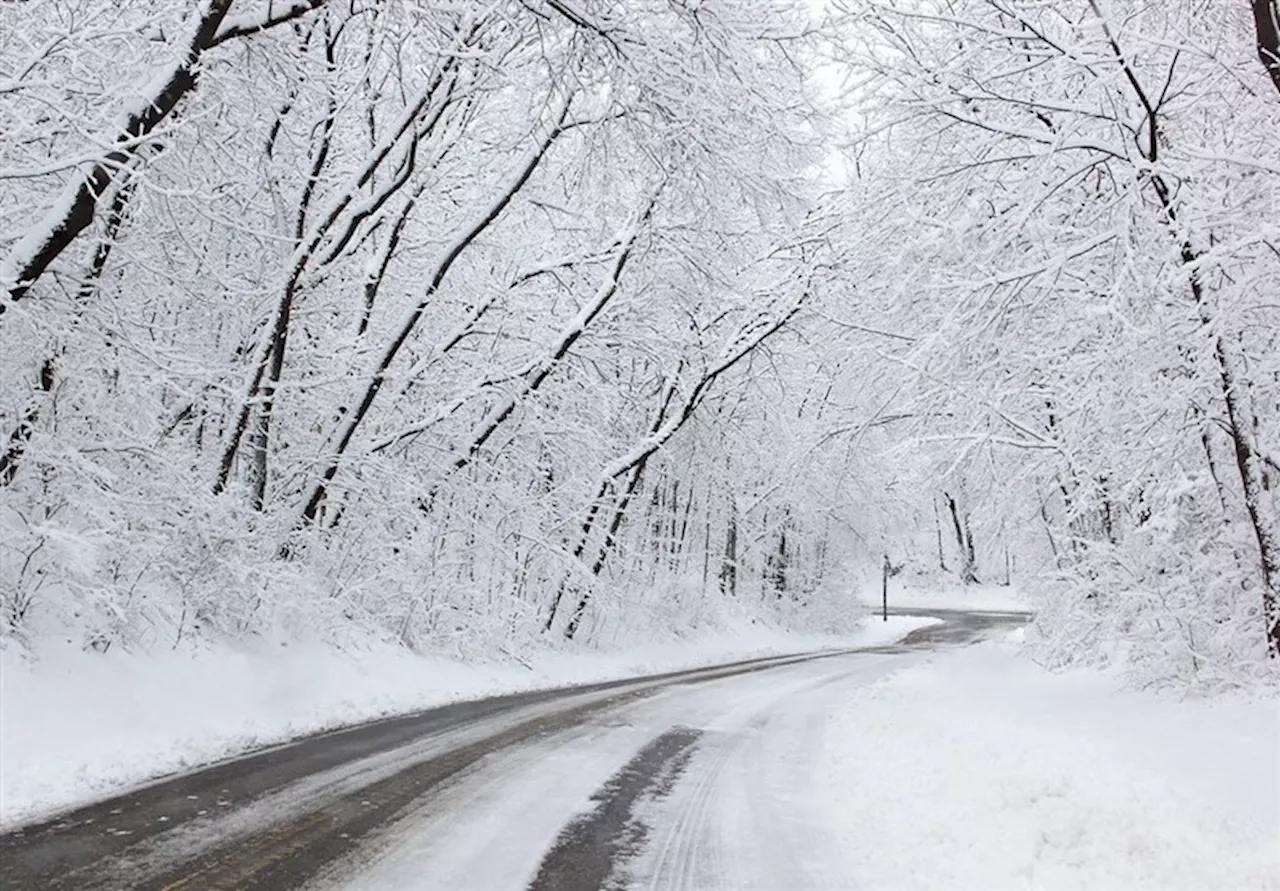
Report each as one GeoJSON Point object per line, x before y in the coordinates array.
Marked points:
{"type": "Point", "coordinates": [966, 769]}
{"type": "Point", "coordinates": [76, 726]}
{"type": "Point", "coordinates": [739, 814]}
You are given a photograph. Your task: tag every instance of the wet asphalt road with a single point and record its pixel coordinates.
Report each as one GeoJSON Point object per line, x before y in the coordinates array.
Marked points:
{"type": "Point", "coordinates": [275, 818]}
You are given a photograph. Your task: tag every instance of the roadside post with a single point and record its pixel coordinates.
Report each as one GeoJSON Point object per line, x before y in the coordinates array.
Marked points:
{"type": "Point", "coordinates": [884, 590]}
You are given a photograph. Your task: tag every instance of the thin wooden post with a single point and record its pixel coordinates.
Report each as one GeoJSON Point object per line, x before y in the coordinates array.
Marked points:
{"type": "Point", "coordinates": [884, 589]}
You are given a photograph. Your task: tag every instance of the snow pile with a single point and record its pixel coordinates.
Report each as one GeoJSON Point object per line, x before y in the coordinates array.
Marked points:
{"type": "Point", "coordinates": [78, 725]}
{"type": "Point", "coordinates": [981, 770]}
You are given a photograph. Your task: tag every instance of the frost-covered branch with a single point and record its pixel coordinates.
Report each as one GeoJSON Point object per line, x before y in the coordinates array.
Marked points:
{"type": "Point", "coordinates": [455, 250]}
{"type": "Point", "coordinates": [77, 205]}
{"type": "Point", "coordinates": [532, 379]}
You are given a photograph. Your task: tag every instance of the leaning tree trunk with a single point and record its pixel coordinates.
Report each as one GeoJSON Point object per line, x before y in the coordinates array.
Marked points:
{"type": "Point", "coordinates": [16, 444]}
{"type": "Point", "coordinates": [1262, 515]}
{"type": "Point", "coordinates": [320, 242]}
{"type": "Point", "coordinates": [77, 207]}
{"type": "Point", "coordinates": [1230, 379]}
{"type": "Point", "coordinates": [381, 372]}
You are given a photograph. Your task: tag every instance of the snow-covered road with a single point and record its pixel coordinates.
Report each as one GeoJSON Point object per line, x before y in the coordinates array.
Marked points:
{"type": "Point", "coordinates": [959, 768]}
{"type": "Point", "coordinates": [929, 764]}
{"type": "Point", "coordinates": [276, 817]}
{"type": "Point", "coordinates": [699, 786]}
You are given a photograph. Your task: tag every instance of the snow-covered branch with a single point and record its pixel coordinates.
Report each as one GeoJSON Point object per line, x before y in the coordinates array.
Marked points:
{"type": "Point", "coordinates": [272, 13]}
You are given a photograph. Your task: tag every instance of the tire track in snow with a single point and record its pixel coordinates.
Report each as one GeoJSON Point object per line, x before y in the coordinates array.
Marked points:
{"type": "Point", "coordinates": [491, 825]}
{"type": "Point", "coordinates": [741, 815]}
{"type": "Point", "coordinates": [300, 805]}
{"type": "Point", "coordinates": [589, 850]}
{"type": "Point", "coordinates": [690, 838]}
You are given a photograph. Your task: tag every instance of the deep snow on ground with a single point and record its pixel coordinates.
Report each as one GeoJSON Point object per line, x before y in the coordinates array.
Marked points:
{"type": "Point", "coordinates": [76, 726]}
{"type": "Point", "coordinates": [978, 769]}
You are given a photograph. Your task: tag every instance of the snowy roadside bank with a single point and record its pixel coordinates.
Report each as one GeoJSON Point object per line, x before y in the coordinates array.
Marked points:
{"type": "Point", "coordinates": [78, 726]}
{"type": "Point", "coordinates": [936, 595]}
{"type": "Point", "coordinates": [978, 769]}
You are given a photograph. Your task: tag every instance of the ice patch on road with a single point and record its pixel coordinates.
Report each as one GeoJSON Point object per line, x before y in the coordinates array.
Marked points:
{"type": "Point", "coordinates": [980, 770]}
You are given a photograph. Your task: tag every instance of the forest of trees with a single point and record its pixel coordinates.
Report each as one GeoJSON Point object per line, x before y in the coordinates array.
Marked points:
{"type": "Point", "coordinates": [473, 324]}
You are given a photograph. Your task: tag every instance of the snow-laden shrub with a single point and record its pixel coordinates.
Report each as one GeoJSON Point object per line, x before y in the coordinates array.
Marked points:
{"type": "Point", "coordinates": [1171, 605]}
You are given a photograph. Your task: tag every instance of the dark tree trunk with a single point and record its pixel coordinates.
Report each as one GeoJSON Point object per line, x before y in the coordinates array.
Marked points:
{"type": "Point", "coordinates": [1266, 23]}
{"type": "Point", "coordinates": [970, 558]}
{"type": "Point", "coordinates": [680, 531]}
{"type": "Point", "coordinates": [610, 538]}
{"type": "Point", "coordinates": [1048, 532]}
{"type": "Point", "coordinates": [964, 542]}
{"type": "Point", "coordinates": [603, 493]}
{"type": "Point", "coordinates": [77, 209]}
{"type": "Point", "coordinates": [729, 561]}
{"type": "Point", "coordinates": [21, 434]}
{"type": "Point", "coordinates": [778, 573]}
{"type": "Point", "coordinates": [260, 439]}
{"type": "Point", "coordinates": [937, 526]}
{"type": "Point", "coordinates": [706, 549]}
{"type": "Point", "coordinates": [339, 226]}
{"type": "Point", "coordinates": [1250, 466]}
{"type": "Point", "coordinates": [1106, 511]}
{"type": "Point", "coordinates": [355, 418]}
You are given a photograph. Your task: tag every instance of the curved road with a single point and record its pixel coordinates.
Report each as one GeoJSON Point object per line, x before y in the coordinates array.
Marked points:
{"type": "Point", "coordinates": [650, 781]}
